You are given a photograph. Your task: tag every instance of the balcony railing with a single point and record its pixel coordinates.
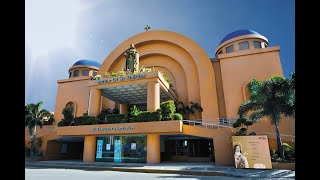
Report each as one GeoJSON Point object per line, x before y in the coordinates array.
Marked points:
{"type": "Point", "coordinates": [227, 123]}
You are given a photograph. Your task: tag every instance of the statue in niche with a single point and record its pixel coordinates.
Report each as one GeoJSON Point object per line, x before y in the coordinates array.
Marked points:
{"type": "Point", "coordinates": [132, 59]}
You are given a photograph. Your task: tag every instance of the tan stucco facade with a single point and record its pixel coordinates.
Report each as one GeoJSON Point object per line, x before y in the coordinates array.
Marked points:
{"type": "Point", "coordinates": [217, 84]}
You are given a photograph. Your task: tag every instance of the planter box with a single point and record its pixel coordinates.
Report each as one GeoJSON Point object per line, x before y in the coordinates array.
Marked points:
{"type": "Point", "coordinates": [277, 165]}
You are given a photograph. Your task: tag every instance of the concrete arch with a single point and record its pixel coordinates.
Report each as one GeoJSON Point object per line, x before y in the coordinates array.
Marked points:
{"type": "Point", "coordinates": [174, 70]}
{"type": "Point", "coordinates": [195, 62]}
{"type": "Point", "coordinates": [158, 51]}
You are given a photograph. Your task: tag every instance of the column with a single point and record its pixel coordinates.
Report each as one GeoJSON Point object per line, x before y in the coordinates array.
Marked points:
{"type": "Point", "coordinates": [153, 148]}
{"type": "Point", "coordinates": [123, 109]}
{"type": "Point", "coordinates": [153, 96]}
{"type": "Point", "coordinates": [94, 102]}
{"type": "Point", "coordinates": [223, 150]}
{"type": "Point", "coordinates": [89, 149]}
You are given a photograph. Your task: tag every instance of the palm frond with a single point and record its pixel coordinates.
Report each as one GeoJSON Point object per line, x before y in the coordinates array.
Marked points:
{"type": "Point", "coordinates": [257, 115]}
{"type": "Point", "coordinates": [245, 107]}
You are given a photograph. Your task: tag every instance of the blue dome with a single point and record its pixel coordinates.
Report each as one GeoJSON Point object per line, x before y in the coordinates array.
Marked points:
{"type": "Point", "coordinates": [237, 33]}
{"type": "Point", "coordinates": [87, 63]}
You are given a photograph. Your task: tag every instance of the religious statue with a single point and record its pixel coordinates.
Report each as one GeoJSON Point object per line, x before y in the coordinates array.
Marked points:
{"type": "Point", "coordinates": [132, 59]}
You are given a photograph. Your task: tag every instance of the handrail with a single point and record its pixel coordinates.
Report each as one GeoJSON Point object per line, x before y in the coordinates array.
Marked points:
{"type": "Point", "coordinates": [229, 122]}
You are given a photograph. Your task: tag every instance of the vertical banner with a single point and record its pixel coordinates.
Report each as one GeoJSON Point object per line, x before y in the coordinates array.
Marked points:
{"type": "Point", "coordinates": [133, 146]}
{"type": "Point", "coordinates": [251, 152]}
{"type": "Point", "coordinates": [117, 151]}
{"type": "Point", "coordinates": [99, 149]}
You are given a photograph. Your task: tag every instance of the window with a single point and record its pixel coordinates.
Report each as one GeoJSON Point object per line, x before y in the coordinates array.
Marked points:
{"type": "Point", "coordinates": [246, 92]}
{"type": "Point", "coordinates": [70, 74]}
{"type": "Point", "coordinates": [64, 148]}
{"type": "Point", "coordinates": [122, 149]}
{"type": "Point", "coordinates": [85, 72]}
{"type": "Point", "coordinates": [220, 52]}
{"type": "Point", "coordinates": [256, 44]}
{"type": "Point", "coordinates": [75, 73]}
{"type": "Point", "coordinates": [230, 49]}
{"type": "Point", "coordinates": [243, 45]}
{"type": "Point", "coordinates": [72, 107]}
{"type": "Point", "coordinates": [94, 73]}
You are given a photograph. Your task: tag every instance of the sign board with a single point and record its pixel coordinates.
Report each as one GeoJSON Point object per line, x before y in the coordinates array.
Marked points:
{"type": "Point", "coordinates": [99, 149]}
{"type": "Point", "coordinates": [117, 151]}
{"type": "Point", "coordinates": [251, 152]}
{"type": "Point", "coordinates": [108, 147]}
{"type": "Point", "coordinates": [121, 78]}
{"type": "Point", "coordinates": [133, 146]}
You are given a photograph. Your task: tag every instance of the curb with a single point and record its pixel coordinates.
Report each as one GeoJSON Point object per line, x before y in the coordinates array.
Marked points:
{"type": "Point", "coordinates": [199, 173]}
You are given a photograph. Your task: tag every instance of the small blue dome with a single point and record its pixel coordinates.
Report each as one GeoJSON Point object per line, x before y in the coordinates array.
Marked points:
{"type": "Point", "coordinates": [237, 33]}
{"type": "Point", "coordinates": [87, 63]}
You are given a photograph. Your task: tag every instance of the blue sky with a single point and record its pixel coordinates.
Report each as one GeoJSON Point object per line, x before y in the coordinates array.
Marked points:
{"type": "Point", "coordinates": [59, 32]}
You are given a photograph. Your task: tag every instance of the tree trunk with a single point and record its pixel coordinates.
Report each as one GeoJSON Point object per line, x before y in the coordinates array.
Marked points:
{"type": "Point", "coordinates": [279, 143]}
{"type": "Point", "coordinates": [31, 140]}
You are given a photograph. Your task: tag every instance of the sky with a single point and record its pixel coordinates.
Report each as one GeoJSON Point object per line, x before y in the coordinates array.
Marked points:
{"type": "Point", "coordinates": [58, 32]}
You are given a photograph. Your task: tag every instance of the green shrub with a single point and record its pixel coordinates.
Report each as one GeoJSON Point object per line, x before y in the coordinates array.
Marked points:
{"type": "Point", "coordinates": [85, 120]}
{"type": "Point", "coordinates": [289, 151]}
{"type": "Point", "coordinates": [274, 155]}
{"type": "Point", "coordinates": [236, 125]}
{"type": "Point", "coordinates": [147, 116]}
{"type": "Point", "coordinates": [241, 132]}
{"type": "Point", "coordinates": [115, 111]}
{"type": "Point", "coordinates": [241, 120]}
{"type": "Point", "coordinates": [68, 117]}
{"type": "Point", "coordinates": [67, 113]}
{"type": "Point", "coordinates": [248, 122]}
{"type": "Point", "coordinates": [114, 118]}
{"type": "Point", "coordinates": [134, 111]}
{"type": "Point", "coordinates": [166, 77]}
{"type": "Point", "coordinates": [126, 120]}
{"type": "Point", "coordinates": [167, 109]}
{"type": "Point", "coordinates": [49, 122]}
{"type": "Point", "coordinates": [177, 116]}
{"type": "Point", "coordinates": [64, 122]}
{"type": "Point", "coordinates": [286, 147]}
{"type": "Point", "coordinates": [102, 114]}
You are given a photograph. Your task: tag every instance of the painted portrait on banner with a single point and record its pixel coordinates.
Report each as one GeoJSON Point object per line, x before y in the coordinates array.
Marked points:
{"type": "Point", "coordinates": [251, 152]}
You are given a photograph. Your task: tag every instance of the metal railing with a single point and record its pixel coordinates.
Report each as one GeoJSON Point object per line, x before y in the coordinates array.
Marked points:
{"type": "Point", "coordinates": [269, 133]}
{"type": "Point", "coordinates": [227, 123]}
{"type": "Point", "coordinates": [217, 123]}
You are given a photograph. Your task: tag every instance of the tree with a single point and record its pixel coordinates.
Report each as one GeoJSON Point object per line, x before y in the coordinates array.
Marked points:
{"type": "Point", "coordinates": [68, 116]}
{"type": "Point", "coordinates": [240, 122]}
{"type": "Point", "coordinates": [272, 98]}
{"type": "Point", "coordinates": [183, 109]}
{"type": "Point", "coordinates": [34, 116]}
{"type": "Point", "coordinates": [195, 107]}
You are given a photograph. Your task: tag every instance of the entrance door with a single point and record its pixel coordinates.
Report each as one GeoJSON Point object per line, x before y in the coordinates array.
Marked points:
{"type": "Point", "coordinates": [188, 149]}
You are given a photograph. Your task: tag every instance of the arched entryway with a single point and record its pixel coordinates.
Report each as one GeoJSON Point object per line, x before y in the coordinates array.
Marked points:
{"type": "Point", "coordinates": [179, 56]}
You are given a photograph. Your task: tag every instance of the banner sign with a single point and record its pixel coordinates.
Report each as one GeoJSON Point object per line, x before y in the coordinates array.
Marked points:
{"type": "Point", "coordinates": [117, 151]}
{"type": "Point", "coordinates": [251, 152]}
{"type": "Point", "coordinates": [99, 149]}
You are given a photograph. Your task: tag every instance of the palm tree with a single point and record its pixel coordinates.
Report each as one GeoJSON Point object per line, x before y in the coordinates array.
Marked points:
{"type": "Point", "coordinates": [195, 107]}
{"type": "Point", "coordinates": [35, 116]}
{"type": "Point", "coordinates": [272, 98]}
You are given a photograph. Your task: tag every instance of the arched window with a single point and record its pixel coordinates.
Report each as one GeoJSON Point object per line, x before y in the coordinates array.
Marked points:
{"type": "Point", "coordinates": [73, 106]}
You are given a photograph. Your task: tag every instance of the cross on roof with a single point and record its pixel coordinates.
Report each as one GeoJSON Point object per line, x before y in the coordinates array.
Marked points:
{"type": "Point", "coordinates": [147, 28]}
